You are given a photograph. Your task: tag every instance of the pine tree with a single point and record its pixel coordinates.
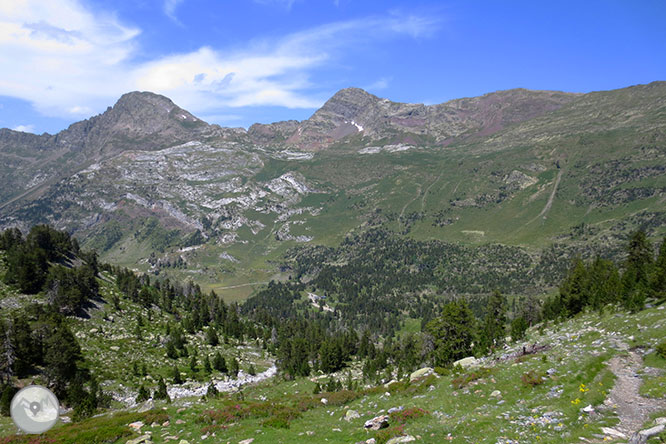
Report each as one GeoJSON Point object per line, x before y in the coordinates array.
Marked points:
{"type": "Point", "coordinates": [638, 268]}
{"type": "Point", "coordinates": [452, 333]}
{"type": "Point", "coordinates": [161, 392]}
{"type": "Point", "coordinates": [518, 328]}
{"type": "Point", "coordinates": [171, 350]}
{"type": "Point", "coordinates": [206, 365]}
{"type": "Point", "coordinates": [211, 392]}
{"type": "Point", "coordinates": [219, 363]}
{"type": "Point", "coordinates": [211, 337]}
{"type": "Point", "coordinates": [176, 375]}
{"type": "Point", "coordinates": [143, 394]}
{"type": "Point", "coordinates": [62, 358]}
{"type": "Point", "coordinates": [574, 291]}
{"type": "Point", "coordinates": [234, 367]}
{"type": "Point", "coordinates": [494, 324]}
{"type": "Point", "coordinates": [658, 281]}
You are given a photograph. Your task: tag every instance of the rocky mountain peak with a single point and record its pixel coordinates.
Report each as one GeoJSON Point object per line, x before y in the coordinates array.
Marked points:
{"type": "Point", "coordinates": [348, 103]}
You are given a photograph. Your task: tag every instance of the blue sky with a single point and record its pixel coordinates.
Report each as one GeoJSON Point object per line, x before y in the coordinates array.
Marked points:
{"type": "Point", "coordinates": [236, 62]}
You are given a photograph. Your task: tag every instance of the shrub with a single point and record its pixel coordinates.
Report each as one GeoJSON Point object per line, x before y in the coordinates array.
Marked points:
{"type": "Point", "coordinates": [157, 416]}
{"type": "Point", "coordinates": [384, 435]}
{"type": "Point", "coordinates": [407, 415]}
{"type": "Point", "coordinates": [467, 378]}
{"type": "Point", "coordinates": [212, 428]}
{"type": "Point", "coordinates": [661, 350]}
{"type": "Point", "coordinates": [282, 416]}
{"type": "Point", "coordinates": [532, 378]}
{"type": "Point", "coordinates": [342, 397]}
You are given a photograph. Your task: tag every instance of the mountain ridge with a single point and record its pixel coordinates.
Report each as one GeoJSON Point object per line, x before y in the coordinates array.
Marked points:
{"type": "Point", "coordinates": [535, 170]}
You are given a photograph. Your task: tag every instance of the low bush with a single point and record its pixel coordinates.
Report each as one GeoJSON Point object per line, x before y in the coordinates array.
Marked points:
{"type": "Point", "coordinates": [407, 415]}
{"type": "Point", "coordinates": [467, 378]}
{"type": "Point", "coordinates": [532, 378]}
{"type": "Point", "coordinates": [157, 416]}
{"type": "Point", "coordinates": [384, 435]}
{"type": "Point", "coordinates": [661, 350]}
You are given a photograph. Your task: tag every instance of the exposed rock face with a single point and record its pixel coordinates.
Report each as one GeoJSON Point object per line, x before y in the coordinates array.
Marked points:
{"type": "Point", "coordinates": [354, 111]}
{"type": "Point", "coordinates": [139, 120]}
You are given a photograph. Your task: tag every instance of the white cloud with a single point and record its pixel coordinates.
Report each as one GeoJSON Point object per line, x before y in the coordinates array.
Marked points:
{"type": "Point", "coordinates": [67, 59]}
{"type": "Point", "coordinates": [63, 58]}
{"type": "Point", "coordinates": [170, 9]}
{"type": "Point", "coordinates": [25, 128]}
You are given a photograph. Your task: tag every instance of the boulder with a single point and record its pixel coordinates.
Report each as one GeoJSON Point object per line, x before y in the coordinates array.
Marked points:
{"type": "Point", "coordinates": [148, 405]}
{"type": "Point", "coordinates": [183, 441]}
{"type": "Point", "coordinates": [496, 394]}
{"type": "Point", "coordinates": [136, 425]}
{"type": "Point", "coordinates": [324, 401]}
{"type": "Point", "coordinates": [399, 439]}
{"type": "Point", "coordinates": [643, 436]}
{"type": "Point", "coordinates": [612, 432]}
{"type": "Point", "coordinates": [468, 362]}
{"type": "Point", "coordinates": [376, 423]}
{"type": "Point", "coordinates": [145, 439]}
{"type": "Point", "coordinates": [421, 373]}
{"type": "Point", "coordinates": [246, 441]}
{"type": "Point", "coordinates": [351, 415]}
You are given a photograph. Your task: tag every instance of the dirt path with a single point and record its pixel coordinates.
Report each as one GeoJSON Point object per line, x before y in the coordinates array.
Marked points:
{"type": "Point", "coordinates": [418, 193]}
{"type": "Point", "coordinates": [632, 409]}
{"type": "Point", "coordinates": [549, 204]}
{"type": "Point", "coordinates": [428, 190]}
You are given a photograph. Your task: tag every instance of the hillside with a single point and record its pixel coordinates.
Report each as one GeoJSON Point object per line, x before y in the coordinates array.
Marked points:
{"type": "Point", "coordinates": [552, 174]}
{"type": "Point", "coordinates": [124, 351]}
{"type": "Point", "coordinates": [543, 396]}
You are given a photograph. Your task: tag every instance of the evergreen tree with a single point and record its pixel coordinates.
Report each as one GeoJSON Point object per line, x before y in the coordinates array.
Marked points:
{"type": "Point", "coordinates": [638, 267]}
{"type": "Point", "coordinates": [171, 350]}
{"type": "Point", "coordinates": [161, 392]}
{"type": "Point", "coordinates": [176, 375]}
{"type": "Point", "coordinates": [193, 364]}
{"type": "Point", "coordinates": [211, 337]}
{"type": "Point", "coordinates": [518, 328]}
{"type": "Point", "coordinates": [211, 392]}
{"type": "Point", "coordinates": [658, 281]}
{"type": "Point", "coordinates": [452, 332]}
{"type": "Point", "coordinates": [494, 324]}
{"type": "Point", "coordinates": [62, 358]}
{"type": "Point", "coordinates": [206, 365]}
{"type": "Point", "coordinates": [143, 394]}
{"type": "Point", "coordinates": [251, 370]}
{"type": "Point", "coordinates": [574, 291]}
{"type": "Point", "coordinates": [219, 363]}
{"type": "Point", "coordinates": [604, 283]}
{"type": "Point", "coordinates": [234, 368]}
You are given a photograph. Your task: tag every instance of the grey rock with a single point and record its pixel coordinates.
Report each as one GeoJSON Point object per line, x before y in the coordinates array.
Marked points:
{"type": "Point", "coordinates": [399, 439]}
{"type": "Point", "coordinates": [376, 423]}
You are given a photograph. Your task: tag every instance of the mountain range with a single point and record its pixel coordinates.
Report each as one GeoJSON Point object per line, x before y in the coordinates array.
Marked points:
{"type": "Point", "coordinates": [157, 189]}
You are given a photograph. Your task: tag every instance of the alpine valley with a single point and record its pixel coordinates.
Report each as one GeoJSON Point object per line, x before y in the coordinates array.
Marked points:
{"type": "Point", "coordinates": [515, 180]}
{"type": "Point", "coordinates": [486, 270]}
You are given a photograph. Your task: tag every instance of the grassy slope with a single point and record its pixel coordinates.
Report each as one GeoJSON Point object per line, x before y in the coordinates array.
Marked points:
{"type": "Point", "coordinates": [549, 412]}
